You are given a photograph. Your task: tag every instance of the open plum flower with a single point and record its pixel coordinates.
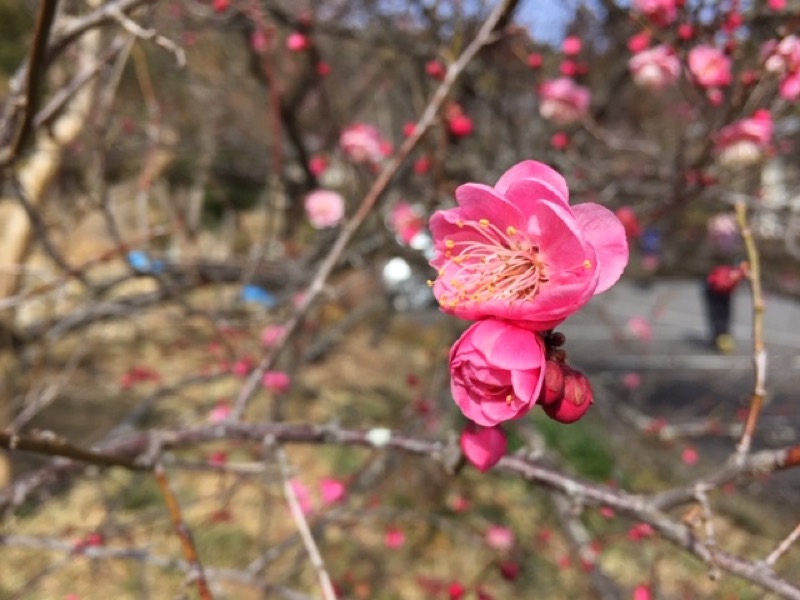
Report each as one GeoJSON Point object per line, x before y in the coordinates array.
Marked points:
{"type": "Point", "coordinates": [519, 252]}
{"type": "Point", "coordinates": [496, 371]}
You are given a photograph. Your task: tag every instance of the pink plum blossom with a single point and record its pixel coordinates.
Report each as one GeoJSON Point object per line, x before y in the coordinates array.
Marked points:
{"type": "Point", "coordinates": [324, 208]}
{"type": "Point", "coordinates": [435, 69]}
{"type": "Point", "coordinates": [394, 538]}
{"type": "Point", "coordinates": [659, 12]}
{"type": "Point", "coordinates": [271, 334]}
{"type": "Point", "coordinates": [519, 252]}
{"type": "Point", "coordinates": [497, 371]}
{"type": "Point", "coordinates": [743, 143]}
{"type": "Point", "coordinates": [656, 68]}
{"type": "Point", "coordinates": [220, 412]}
{"type": "Point", "coordinates": [642, 592]}
{"type": "Point", "coordinates": [406, 221]}
{"type": "Point", "coordinates": [499, 538]}
{"type": "Point", "coordinates": [276, 381]}
{"type": "Point", "coordinates": [317, 165]}
{"type": "Point", "coordinates": [709, 66]}
{"type": "Point", "coordinates": [723, 232]}
{"type": "Point", "coordinates": [783, 58]}
{"type": "Point", "coordinates": [640, 328]}
{"type": "Point", "coordinates": [689, 456]}
{"type": "Point", "coordinates": [296, 42]}
{"type": "Point", "coordinates": [460, 125]}
{"type": "Point", "coordinates": [483, 446]}
{"type": "Point", "coordinates": [361, 143]}
{"type": "Point", "coordinates": [332, 490]}
{"type": "Point", "coordinates": [632, 380]}
{"type": "Point", "coordinates": [571, 45]}
{"type": "Point", "coordinates": [563, 101]}
{"type": "Point", "coordinates": [534, 60]}
{"type": "Point", "coordinates": [639, 42]}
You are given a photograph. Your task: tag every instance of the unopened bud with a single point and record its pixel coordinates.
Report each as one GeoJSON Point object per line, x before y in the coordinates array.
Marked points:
{"type": "Point", "coordinates": [577, 398]}
{"type": "Point", "coordinates": [553, 388]}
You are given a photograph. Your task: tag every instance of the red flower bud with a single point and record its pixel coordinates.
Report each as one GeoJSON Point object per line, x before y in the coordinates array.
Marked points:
{"type": "Point", "coordinates": [576, 400]}
{"type": "Point", "coordinates": [553, 388]}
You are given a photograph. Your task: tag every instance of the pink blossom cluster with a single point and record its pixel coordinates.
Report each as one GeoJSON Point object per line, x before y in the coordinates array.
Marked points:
{"type": "Point", "coordinates": [563, 101]}
{"type": "Point", "coordinates": [519, 260]}
{"type": "Point", "coordinates": [783, 59]}
{"type": "Point", "coordinates": [656, 68]}
{"type": "Point", "coordinates": [362, 144]}
{"type": "Point", "coordinates": [660, 12]}
{"type": "Point", "coordinates": [744, 142]}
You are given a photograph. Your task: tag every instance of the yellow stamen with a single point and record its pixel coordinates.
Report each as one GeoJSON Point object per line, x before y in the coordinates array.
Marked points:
{"type": "Point", "coordinates": [449, 244]}
{"type": "Point", "coordinates": [483, 222]}
{"type": "Point", "coordinates": [511, 230]}
{"type": "Point", "coordinates": [587, 264]}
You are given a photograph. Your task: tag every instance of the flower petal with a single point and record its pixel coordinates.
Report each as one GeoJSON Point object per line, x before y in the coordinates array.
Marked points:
{"type": "Point", "coordinates": [604, 231]}
{"type": "Point", "coordinates": [534, 172]}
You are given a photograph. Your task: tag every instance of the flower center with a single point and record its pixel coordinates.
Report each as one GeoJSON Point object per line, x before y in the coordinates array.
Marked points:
{"type": "Point", "coordinates": [493, 265]}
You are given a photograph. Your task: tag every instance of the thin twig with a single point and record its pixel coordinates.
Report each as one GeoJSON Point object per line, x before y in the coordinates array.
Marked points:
{"type": "Point", "coordinates": [759, 349]}
{"type": "Point", "coordinates": [783, 547]}
{"type": "Point", "coordinates": [35, 70]}
{"type": "Point", "coordinates": [140, 32]}
{"type": "Point", "coordinates": [328, 591]}
{"type": "Point", "coordinates": [184, 534]}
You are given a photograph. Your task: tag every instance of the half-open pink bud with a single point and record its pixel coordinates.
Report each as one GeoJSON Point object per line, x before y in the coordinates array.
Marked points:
{"type": "Point", "coordinates": [483, 446]}
{"type": "Point", "coordinates": [577, 398]}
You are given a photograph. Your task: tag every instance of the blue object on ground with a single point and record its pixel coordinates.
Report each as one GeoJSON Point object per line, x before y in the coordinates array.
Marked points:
{"type": "Point", "coordinates": [258, 295]}
{"type": "Point", "coordinates": [141, 262]}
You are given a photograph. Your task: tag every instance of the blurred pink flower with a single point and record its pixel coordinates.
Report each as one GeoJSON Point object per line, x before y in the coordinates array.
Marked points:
{"type": "Point", "coordinates": [271, 334]}
{"type": "Point", "coordinates": [406, 221]}
{"type": "Point", "coordinates": [710, 67]}
{"type": "Point", "coordinates": [640, 531]}
{"type": "Point", "coordinates": [629, 220]}
{"type": "Point", "coordinates": [571, 45]}
{"type": "Point", "coordinates": [689, 456]}
{"type": "Point", "coordinates": [534, 60]}
{"type": "Point", "coordinates": [361, 143]}
{"type": "Point", "coordinates": [323, 69]}
{"type": "Point", "coordinates": [632, 380]}
{"type": "Point", "coordinates": [496, 371]}
{"type": "Point", "coordinates": [243, 366]}
{"type": "Point", "coordinates": [559, 140]}
{"type": "Point", "coordinates": [394, 538]}
{"type": "Point", "coordinates": [519, 252]}
{"type": "Point", "coordinates": [659, 12]}
{"type": "Point", "coordinates": [563, 101]}
{"type": "Point", "coordinates": [776, 4]}
{"type": "Point", "coordinates": [723, 232]}
{"type": "Point", "coordinates": [642, 592]}
{"type": "Point", "coordinates": [220, 412]}
{"type": "Point", "coordinates": [499, 538]}
{"type": "Point", "coordinates": [655, 68]}
{"type": "Point", "coordinates": [435, 69]}
{"type": "Point", "coordinates": [639, 42]}
{"type": "Point", "coordinates": [317, 165]}
{"type": "Point", "coordinates": [258, 41]}
{"type": "Point", "coordinates": [640, 327]}
{"type": "Point", "coordinates": [483, 447]}
{"type": "Point", "coordinates": [296, 42]}
{"type": "Point", "coordinates": [460, 125]}
{"type": "Point", "coordinates": [277, 382]}
{"type": "Point", "coordinates": [324, 208]}
{"type": "Point", "coordinates": [332, 490]}
{"type": "Point", "coordinates": [744, 142]}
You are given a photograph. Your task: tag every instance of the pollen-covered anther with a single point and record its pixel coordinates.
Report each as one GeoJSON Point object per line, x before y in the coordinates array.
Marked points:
{"type": "Point", "coordinates": [509, 398]}
{"type": "Point", "coordinates": [511, 230]}
{"type": "Point", "coordinates": [449, 244]}
{"type": "Point", "coordinates": [483, 222]}
{"type": "Point", "coordinates": [587, 264]}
